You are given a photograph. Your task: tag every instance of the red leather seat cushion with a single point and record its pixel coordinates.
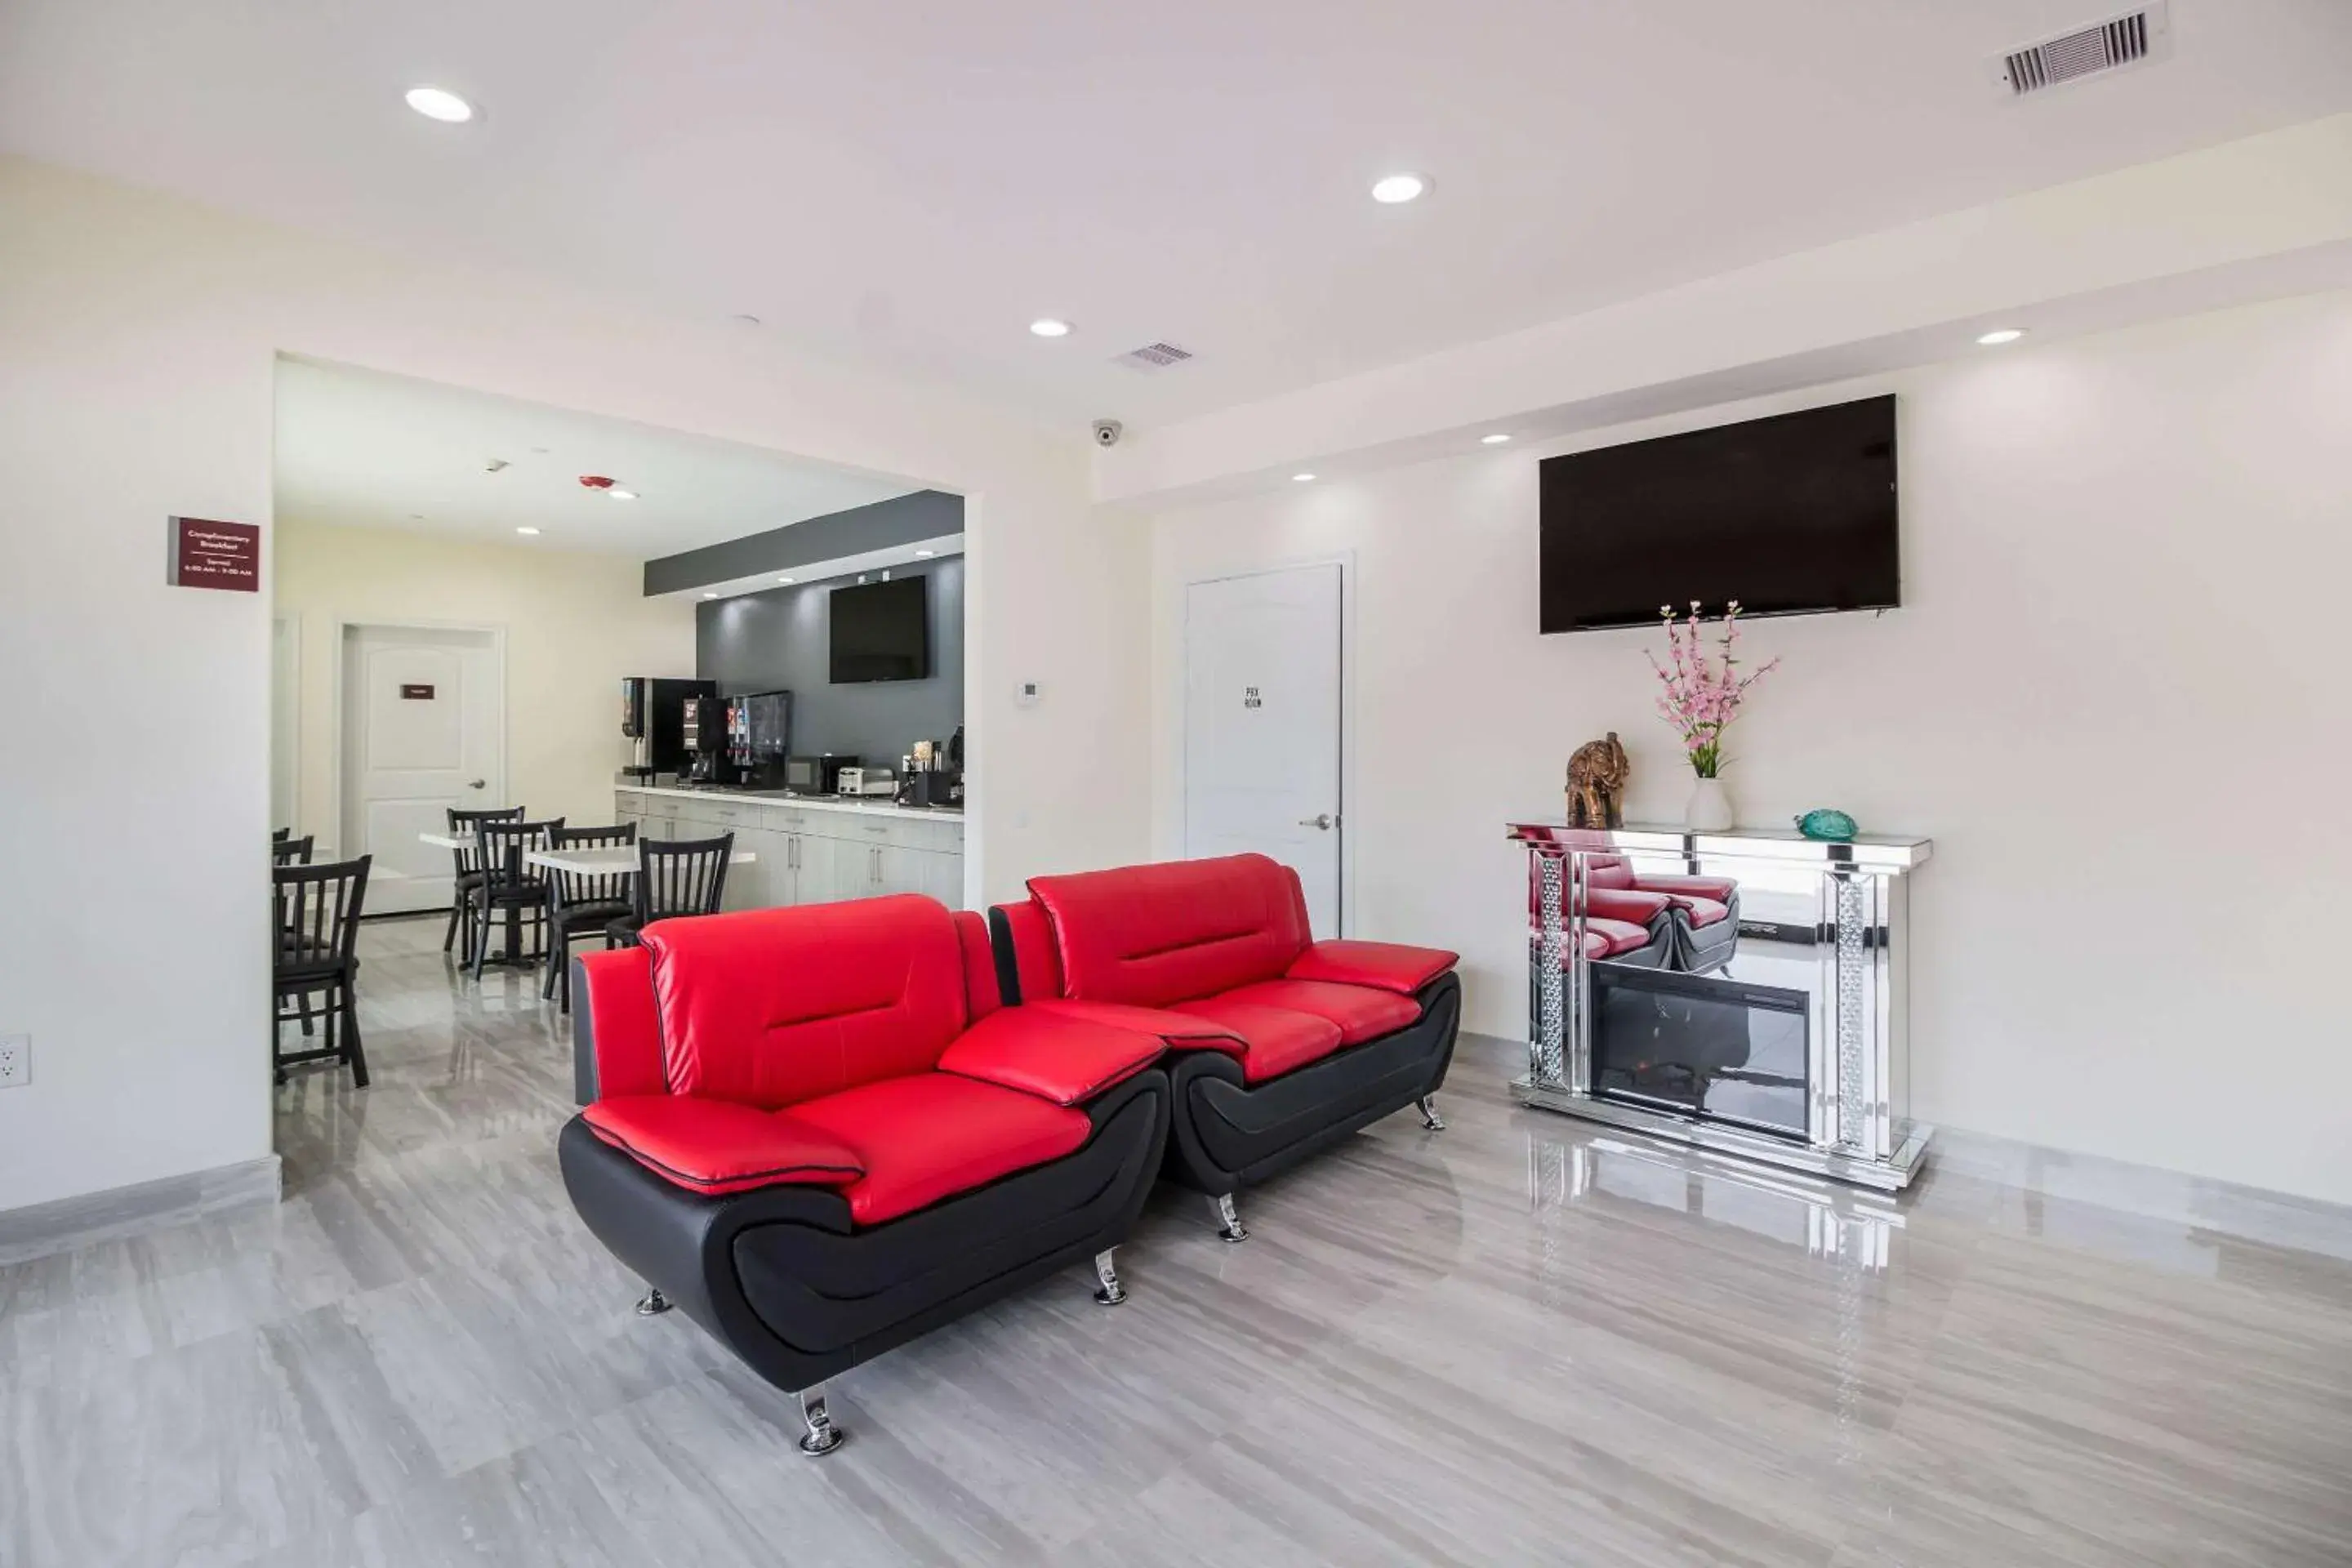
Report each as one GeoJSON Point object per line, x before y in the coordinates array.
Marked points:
{"type": "Point", "coordinates": [1632, 906]}
{"type": "Point", "coordinates": [712, 1146]}
{"type": "Point", "coordinates": [1153, 935]}
{"type": "Point", "coordinates": [1702, 912]}
{"type": "Point", "coordinates": [1360, 1012]}
{"type": "Point", "coordinates": [1607, 939]}
{"type": "Point", "coordinates": [1719, 889]}
{"type": "Point", "coordinates": [769, 1007]}
{"type": "Point", "coordinates": [1050, 1054]}
{"type": "Point", "coordinates": [1178, 1031]}
{"type": "Point", "coordinates": [1275, 1040]}
{"type": "Point", "coordinates": [1390, 966]}
{"type": "Point", "coordinates": [931, 1135]}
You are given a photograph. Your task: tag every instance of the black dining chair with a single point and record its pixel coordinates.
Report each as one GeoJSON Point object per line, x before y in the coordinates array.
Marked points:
{"type": "Point", "coordinates": [315, 920]}
{"type": "Point", "coordinates": [675, 876]}
{"type": "Point", "coordinates": [290, 851]}
{"type": "Point", "coordinates": [277, 834]}
{"type": "Point", "coordinates": [468, 872]}
{"type": "Point", "coordinates": [580, 905]}
{"type": "Point", "coordinates": [511, 887]}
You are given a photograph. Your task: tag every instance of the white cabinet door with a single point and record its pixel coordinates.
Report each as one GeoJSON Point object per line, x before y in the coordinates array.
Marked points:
{"type": "Point", "coordinates": [943, 878]}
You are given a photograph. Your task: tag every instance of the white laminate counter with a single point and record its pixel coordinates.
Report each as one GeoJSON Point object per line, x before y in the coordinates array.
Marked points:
{"type": "Point", "coordinates": [809, 851]}
{"type": "Point", "coordinates": [801, 803]}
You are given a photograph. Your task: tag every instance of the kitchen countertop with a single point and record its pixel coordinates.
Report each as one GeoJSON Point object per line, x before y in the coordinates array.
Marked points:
{"type": "Point", "coordinates": [876, 807]}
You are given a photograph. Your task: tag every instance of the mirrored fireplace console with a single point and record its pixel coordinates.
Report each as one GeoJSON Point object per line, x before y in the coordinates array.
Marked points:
{"type": "Point", "coordinates": [1740, 991]}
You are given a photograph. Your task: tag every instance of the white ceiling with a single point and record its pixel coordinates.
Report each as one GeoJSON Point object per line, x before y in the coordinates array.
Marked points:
{"type": "Point", "coordinates": [912, 181]}
{"type": "Point", "coordinates": [361, 449]}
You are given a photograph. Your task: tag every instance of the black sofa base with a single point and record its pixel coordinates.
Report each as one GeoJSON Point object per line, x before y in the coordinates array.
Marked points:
{"type": "Point", "coordinates": [1228, 1134]}
{"type": "Point", "coordinates": [780, 1277]}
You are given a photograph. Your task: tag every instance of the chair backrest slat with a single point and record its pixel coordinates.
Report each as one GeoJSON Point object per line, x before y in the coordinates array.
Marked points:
{"type": "Point", "coordinates": [681, 876]}
{"type": "Point", "coordinates": [463, 824]}
{"type": "Point", "coordinates": [504, 843]}
{"type": "Point", "coordinates": [317, 910]}
{"type": "Point", "coordinates": [573, 888]}
{"type": "Point", "coordinates": [290, 851]}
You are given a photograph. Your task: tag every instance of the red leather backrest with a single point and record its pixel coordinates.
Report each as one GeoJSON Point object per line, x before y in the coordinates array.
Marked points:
{"type": "Point", "coordinates": [1036, 968]}
{"type": "Point", "coordinates": [616, 1010]}
{"type": "Point", "coordinates": [1150, 935]}
{"type": "Point", "coordinates": [770, 1007]}
{"type": "Point", "coordinates": [1607, 871]}
{"type": "Point", "coordinates": [979, 992]}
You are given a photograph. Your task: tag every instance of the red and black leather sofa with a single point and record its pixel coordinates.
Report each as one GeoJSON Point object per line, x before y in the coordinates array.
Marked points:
{"type": "Point", "coordinates": [1280, 1044]}
{"type": "Point", "coordinates": [1704, 911]}
{"type": "Point", "coordinates": [818, 1131]}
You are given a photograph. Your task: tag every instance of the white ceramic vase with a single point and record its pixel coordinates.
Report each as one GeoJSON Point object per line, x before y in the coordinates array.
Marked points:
{"type": "Point", "coordinates": [1709, 810]}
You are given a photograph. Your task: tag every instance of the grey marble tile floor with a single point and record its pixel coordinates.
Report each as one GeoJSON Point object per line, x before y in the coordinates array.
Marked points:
{"type": "Point", "coordinates": [1520, 1340]}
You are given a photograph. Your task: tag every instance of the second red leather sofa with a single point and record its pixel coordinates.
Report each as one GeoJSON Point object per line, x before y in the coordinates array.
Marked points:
{"type": "Point", "coordinates": [1281, 1045]}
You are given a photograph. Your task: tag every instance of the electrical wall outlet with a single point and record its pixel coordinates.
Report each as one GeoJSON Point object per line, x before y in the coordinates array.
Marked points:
{"type": "Point", "coordinates": [15, 1060]}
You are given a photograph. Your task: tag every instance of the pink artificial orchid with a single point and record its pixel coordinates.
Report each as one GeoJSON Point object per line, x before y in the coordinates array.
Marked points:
{"type": "Point", "coordinates": [1701, 697]}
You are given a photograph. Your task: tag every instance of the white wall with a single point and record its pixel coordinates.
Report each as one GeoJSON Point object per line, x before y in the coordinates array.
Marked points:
{"type": "Point", "coordinates": [137, 338]}
{"type": "Point", "coordinates": [2115, 697]}
{"type": "Point", "coordinates": [575, 623]}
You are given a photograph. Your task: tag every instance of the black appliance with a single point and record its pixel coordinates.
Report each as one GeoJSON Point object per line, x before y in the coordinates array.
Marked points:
{"type": "Point", "coordinates": [881, 631]}
{"type": "Point", "coordinates": [758, 737]}
{"type": "Point", "coordinates": [704, 728]}
{"type": "Point", "coordinates": [1788, 515]}
{"type": "Point", "coordinates": [816, 775]}
{"type": "Point", "coordinates": [653, 721]}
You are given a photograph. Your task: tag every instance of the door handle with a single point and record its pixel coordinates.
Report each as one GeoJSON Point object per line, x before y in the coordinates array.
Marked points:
{"type": "Point", "coordinates": [477, 783]}
{"type": "Point", "coordinates": [1321, 819]}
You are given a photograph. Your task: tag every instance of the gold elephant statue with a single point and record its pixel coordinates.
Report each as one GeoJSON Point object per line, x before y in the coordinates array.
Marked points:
{"type": "Point", "coordinates": [1596, 784]}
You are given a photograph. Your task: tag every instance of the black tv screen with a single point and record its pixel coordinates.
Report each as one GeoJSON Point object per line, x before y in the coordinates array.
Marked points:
{"type": "Point", "coordinates": [1788, 515]}
{"type": "Point", "coordinates": [881, 631]}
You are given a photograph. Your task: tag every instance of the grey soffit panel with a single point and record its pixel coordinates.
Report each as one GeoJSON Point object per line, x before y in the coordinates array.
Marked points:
{"type": "Point", "coordinates": [884, 525]}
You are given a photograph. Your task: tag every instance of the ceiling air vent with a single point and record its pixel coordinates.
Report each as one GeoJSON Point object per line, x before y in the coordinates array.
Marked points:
{"type": "Point", "coordinates": [2131, 39]}
{"type": "Point", "coordinates": [1155, 356]}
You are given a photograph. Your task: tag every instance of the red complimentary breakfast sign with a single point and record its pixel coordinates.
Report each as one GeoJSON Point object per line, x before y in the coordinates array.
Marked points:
{"type": "Point", "coordinates": [208, 554]}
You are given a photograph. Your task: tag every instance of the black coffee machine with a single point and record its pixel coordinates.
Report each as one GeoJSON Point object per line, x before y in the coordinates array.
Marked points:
{"type": "Point", "coordinates": [709, 758]}
{"type": "Point", "coordinates": [652, 720]}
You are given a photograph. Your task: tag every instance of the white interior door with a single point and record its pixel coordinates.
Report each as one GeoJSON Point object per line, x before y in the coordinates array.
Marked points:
{"type": "Point", "coordinates": [424, 721]}
{"type": "Point", "coordinates": [1262, 699]}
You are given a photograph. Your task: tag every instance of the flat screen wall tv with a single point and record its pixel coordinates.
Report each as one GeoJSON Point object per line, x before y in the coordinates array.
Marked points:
{"type": "Point", "coordinates": [881, 631]}
{"type": "Point", "coordinates": [1788, 515]}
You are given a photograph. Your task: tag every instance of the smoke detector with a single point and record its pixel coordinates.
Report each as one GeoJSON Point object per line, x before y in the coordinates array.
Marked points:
{"type": "Point", "coordinates": [2136, 37]}
{"type": "Point", "coordinates": [1155, 356]}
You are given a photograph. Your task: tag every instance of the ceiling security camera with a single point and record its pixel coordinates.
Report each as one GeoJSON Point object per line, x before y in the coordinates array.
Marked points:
{"type": "Point", "coordinates": [1107, 432]}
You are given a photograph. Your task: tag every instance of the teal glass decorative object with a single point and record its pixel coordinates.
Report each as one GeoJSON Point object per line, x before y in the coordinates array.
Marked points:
{"type": "Point", "coordinates": [1828, 826]}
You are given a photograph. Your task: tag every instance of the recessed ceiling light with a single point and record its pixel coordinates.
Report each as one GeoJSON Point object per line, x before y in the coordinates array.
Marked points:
{"type": "Point", "coordinates": [710, 596]}
{"type": "Point", "coordinates": [440, 103]}
{"type": "Point", "coordinates": [526, 530]}
{"type": "Point", "coordinates": [1393, 189]}
{"type": "Point", "coordinates": [1302, 479]}
{"type": "Point", "coordinates": [1496, 439]}
{"type": "Point", "coordinates": [2003, 335]}
{"type": "Point", "coordinates": [617, 493]}
{"type": "Point", "coordinates": [924, 554]}
{"type": "Point", "coordinates": [785, 581]}
{"type": "Point", "coordinates": [1050, 327]}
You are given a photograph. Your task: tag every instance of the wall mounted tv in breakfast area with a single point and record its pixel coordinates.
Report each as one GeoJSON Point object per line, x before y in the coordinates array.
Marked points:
{"type": "Point", "coordinates": [1788, 515]}
{"type": "Point", "coordinates": [881, 631]}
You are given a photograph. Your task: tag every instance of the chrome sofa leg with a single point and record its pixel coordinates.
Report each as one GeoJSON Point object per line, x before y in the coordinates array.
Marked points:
{"type": "Point", "coordinates": [1110, 1292]}
{"type": "Point", "coordinates": [1429, 1117]}
{"type": "Point", "coordinates": [654, 1305]}
{"type": "Point", "coordinates": [823, 1436]}
{"type": "Point", "coordinates": [1229, 1224]}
